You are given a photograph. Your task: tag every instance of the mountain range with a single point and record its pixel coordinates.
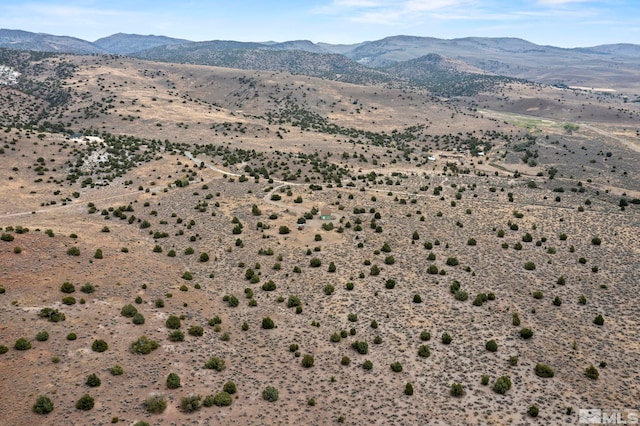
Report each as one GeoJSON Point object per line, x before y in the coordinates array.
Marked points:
{"type": "Point", "coordinates": [408, 58]}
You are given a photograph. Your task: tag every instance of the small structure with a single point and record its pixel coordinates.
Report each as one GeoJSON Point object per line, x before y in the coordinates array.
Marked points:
{"type": "Point", "coordinates": [325, 214]}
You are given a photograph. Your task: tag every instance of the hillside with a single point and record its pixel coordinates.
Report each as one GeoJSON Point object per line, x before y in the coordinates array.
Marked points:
{"type": "Point", "coordinates": [604, 68]}
{"type": "Point", "coordinates": [192, 244]}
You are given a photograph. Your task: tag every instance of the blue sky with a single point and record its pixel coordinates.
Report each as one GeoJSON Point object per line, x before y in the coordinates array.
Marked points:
{"type": "Point", "coordinates": [564, 23]}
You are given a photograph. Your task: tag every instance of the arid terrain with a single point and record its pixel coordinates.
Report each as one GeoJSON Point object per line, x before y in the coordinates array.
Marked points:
{"type": "Point", "coordinates": [365, 221]}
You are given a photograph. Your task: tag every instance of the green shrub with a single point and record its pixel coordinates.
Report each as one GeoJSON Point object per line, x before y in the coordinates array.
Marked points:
{"type": "Point", "coordinates": [128, 311]}
{"type": "Point", "coordinates": [269, 286]}
{"type": "Point", "coordinates": [396, 367]}
{"type": "Point", "coordinates": [293, 347]}
{"type": "Point", "coordinates": [345, 360]}
{"type": "Point", "coordinates": [215, 363]}
{"type": "Point", "coordinates": [502, 385]}
{"type": "Point", "coordinates": [456, 389]}
{"type": "Point", "coordinates": [53, 315]}
{"type": "Point", "coordinates": [3, 349]}
{"type": "Point", "coordinates": [267, 323]}
{"type": "Point", "coordinates": [85, 403]}
{"type": "Point", "coordinates": [423, 351]}
{"type": "Point", "coordinates": [390, 284]}
{"type": "Point", "coordinates": [530, 266]}
{"type": "Point", "coordinates": [116, 370]}
{"type": "Point", "coordinates": [491, 346]}
{"type": "Point", "coordinates": [190, 403]}
{"type": "Point", "coordinates": [138, 319]}
{"type": "Point", "coordinates": [93, 381]}
{"type": "Point", "coordinates": [533, 411]}
{"type": "Point", "coordinates": [360, 347]}
{"type": "Point", "coordinates": [293, 301]}
{"type": "Point", "coordinates": [543, 370]}
{"type": "Point", "coordinates": [173, 322]}
{"type": "Point", "coordinates": [229, 388]}
{"type": "Point", "coordinates": [99, 346]}
{"type": "Point", "coordinates": [155, 403]}
{"type": "Point", "coordinates": [222, 399]}
{"type": "Point", "coordinates": [307, 361]}
{"type": "Point", "coordinates": [69, 300]}
{"type": "Point", "coordinates": [417, 298]}
{"type": "Point", "coordinates": [598, 320]}
{"type": "Point", "coordinates": [592, 372]}
{"type": "Point", "coordinates": [352, 317]}
{"type": "Point", "coordinates": [73, 251]}
{"type": "Point", "coordinates": [425, 335]}
{"type": "Point", "coordinates": [67, 287]}
{"type": "Point", "coordinates": [408, 389]}
{"type": "Point", "coordinates": [367, 365]}
{"type": "Point", "coordinates": [207, 401]}
{"type": "Point", "coordinates": [196, 330]}
{"type": "Point", "coordinates": [446, 338]}
{"type": "Point", "coordinates": [485, 379]}
{"type": "Point", "coordinates": [176, 336]}
{"type": "Point", "coordinates": [143, 346]}
{"type": "Point", "coordinates": [315, 262]}
{"type": "Point", "coordinates": [22, 344]}
{"type": "Point", "coordinates": [173, 381]}
{"type": "Point", "coordinates": [328, 289]}
{"type": "Point", "coordinates": [452, 261]}
{"type": "Point", "coordinates": [270, 394]}
{"type": "Point", "coordinates": [43, 405]}
{"type": "Point", "coordinates": [42, 336]}
{"type": "Point", "coordinates": [515, 319]}
{"type": "Point", "coordinates": [526, 333]}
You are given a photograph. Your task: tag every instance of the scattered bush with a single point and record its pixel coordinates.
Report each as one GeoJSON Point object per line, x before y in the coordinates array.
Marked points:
{"type": "Point", "coordinates": [229, 388]}
{"type": "Point", "coordinates": [360, 347]}
{"type": "Point", "coordinates": [598, 320]}
{"type": "Point", "coordinates": [526, 333]}
{"type": "Point", "coordinates": [196, 330]}
{"type": "Point", "coordinates": [543, 370]}
{"type": "Point", "coordinates": [456, 389]}
{"type": "Point", "coordinates": [446, 338]}
{"type": "Point", "coordinates": [408, 389]}
{"type": "Point", "coordinates": [307, 361]}
{"type": "Point", "coordinates": [99, 346]}
{"type": "Point", "coordinates": [173, 322]}
{"type": "Point", "coordinates": [190, 403]}
{"type": "Point", "coordinates": [93, 381]}
{"type": "Point", "coordinates": [176, 336]}
{"type": "Point", "coordinates": [42, 336]}
{"type": "Point", "coordinates": [173, 381]}
{"type": "Point", "coordinates": [43, 405]}
{"type": "Point", "coordinates": [396, 367]}
{"type": "Point", "coordinates": [592, 372]}
{"type": "Point", "coordinates": [116, 370]}
{"type": "Point", "coordinates": [222, 399]}
{"type": "Point", "coordinates": [423, 351]}
{"type": "Point", "coordinates": [155, 403]}
{"type": "Point", "coordinates": [85, 403]}
{"type": "Point", "coordinates": [143, 346]}
{"type": "Point", "coordinates": [367, 365]}
{"type": "Point", "coordinates": [267, 323]}
{"type": "Point", "coordinates": [128, 311]}
{"type": "Point", "coordinates": [270, 394]}
{"type": "Point", "coordinates": [67, 287]}
{"type": "Point", "coordinates": [491, 346]}
{"type": "Point", "coordinates": [215, 363]}
{"type": "Point", "coordinates": [22, 344]}
{"type": "Point", "coordinates": [502, 385]}
{"type": "Point", "coordinates": [138, 319]}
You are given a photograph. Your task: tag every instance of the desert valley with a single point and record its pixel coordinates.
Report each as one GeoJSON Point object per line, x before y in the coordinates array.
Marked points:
{"type": "Point", "coordinates": [297, 237]}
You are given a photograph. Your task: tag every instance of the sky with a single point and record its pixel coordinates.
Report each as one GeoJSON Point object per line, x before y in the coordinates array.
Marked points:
{"type": "Point", "coordinates": [562, 23]}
